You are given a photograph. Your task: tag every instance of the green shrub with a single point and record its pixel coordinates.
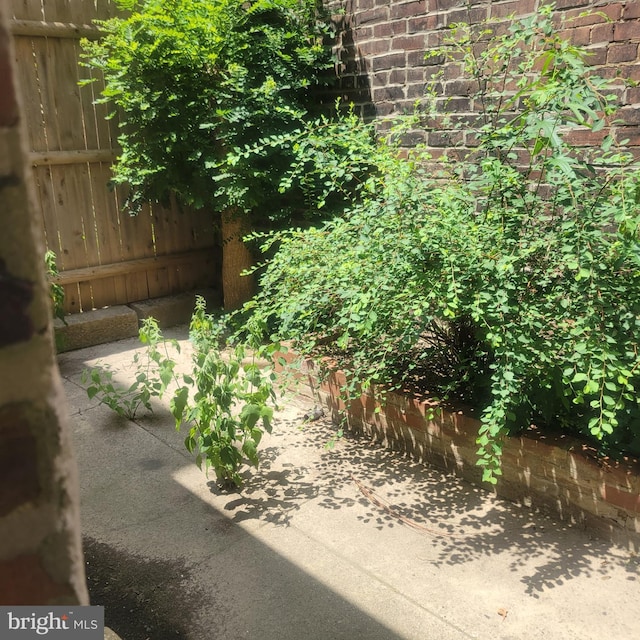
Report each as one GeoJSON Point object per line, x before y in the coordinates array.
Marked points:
{"type": "Point", "coordinates": [517, 267]}
{"type": "Point", "coordinates": [227, 402]}
{"type": "Point", "coordinates": [194, 79]}
{"type": "Point", "coordinates": [154, 371]}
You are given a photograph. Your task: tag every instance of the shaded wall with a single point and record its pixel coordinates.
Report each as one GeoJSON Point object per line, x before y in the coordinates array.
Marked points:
{"type": "Point", "coordinates": [40, 551]}
{"type": "Point", "coordinates": [381, 46]}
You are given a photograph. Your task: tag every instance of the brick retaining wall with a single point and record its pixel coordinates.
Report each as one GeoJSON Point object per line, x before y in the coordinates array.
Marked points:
{"type": "Point", "coordinates": [558, 475]}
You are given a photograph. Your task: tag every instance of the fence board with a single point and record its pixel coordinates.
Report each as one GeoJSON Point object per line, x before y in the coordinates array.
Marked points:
{"type": "Point", "coordinates": [136, 241]}
{"type": "Point", "coordinates": [67, 95]}
{"type": "Point", "coordinates": [166, 241]}
{"type": "Point", "coordinates": [60, 10]}
{"type": "Point", "coordinates": [113, 290]}
{"type": "Point", "coordinates": [27, 9]}
{"type": "Point", "coordinates": [72, 144]}
{"type": "Point", "coordinates": [68, 215]}
{"type": "Point", "coordinates": [44, 188]}
{"type": "Point", "coordinates": [47, 87]}
{"type": "Point", "coordinates": [30, 85]}
{"type": "Point", "coordinates": [87, 98]}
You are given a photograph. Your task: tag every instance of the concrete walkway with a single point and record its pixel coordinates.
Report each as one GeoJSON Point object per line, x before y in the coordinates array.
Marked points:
{"type": "Point", "coordinates": [355, 542]}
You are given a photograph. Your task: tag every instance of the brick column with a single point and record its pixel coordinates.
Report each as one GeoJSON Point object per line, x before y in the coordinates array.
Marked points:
{"type": "Point", "coordinates": [40, 546]}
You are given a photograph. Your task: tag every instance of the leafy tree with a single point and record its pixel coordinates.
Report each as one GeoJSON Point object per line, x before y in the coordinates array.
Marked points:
{"type": "Point", "coordinates": [192, 80]}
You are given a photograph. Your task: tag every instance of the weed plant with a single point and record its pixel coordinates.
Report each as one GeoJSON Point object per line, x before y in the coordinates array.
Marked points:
{"type": "Point", "coordinates": [225, 403]}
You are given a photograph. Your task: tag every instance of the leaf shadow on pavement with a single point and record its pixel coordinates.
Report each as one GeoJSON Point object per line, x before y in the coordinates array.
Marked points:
{"type": "Point", "coordinates": [465, 522]}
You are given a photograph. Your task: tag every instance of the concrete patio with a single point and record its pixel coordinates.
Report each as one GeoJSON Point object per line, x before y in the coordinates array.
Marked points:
{"type": "Point", "coordinates": [355, 542]}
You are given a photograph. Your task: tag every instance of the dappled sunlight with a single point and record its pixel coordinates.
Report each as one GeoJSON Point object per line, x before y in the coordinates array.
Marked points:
{"type": "Point", "coordinates": [351, 525]}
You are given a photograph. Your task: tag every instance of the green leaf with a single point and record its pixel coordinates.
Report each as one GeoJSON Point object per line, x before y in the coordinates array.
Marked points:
{"type": "Point", "coordinates": [250, 414]}
{"type": "Point", "coordinates": [249, 448]}
{"type": "Point", "coordinates": [178, 404]}
{"type": "Point", "coordinates": [92, 392]}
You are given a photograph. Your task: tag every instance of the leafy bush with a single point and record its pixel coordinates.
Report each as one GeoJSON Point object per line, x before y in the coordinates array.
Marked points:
{"type": "Point", "coordinates": [194, 79]}
{"type": "Point", "coordinates": [517, 265]}
{"type": "Point", "coordinates": [233, 400]}
{"type": "Point", "coordinates": [328, 162]}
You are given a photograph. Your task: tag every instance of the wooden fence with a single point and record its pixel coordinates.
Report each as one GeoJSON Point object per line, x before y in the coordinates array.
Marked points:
{"type": "Point", "coordinates": [105, 256]}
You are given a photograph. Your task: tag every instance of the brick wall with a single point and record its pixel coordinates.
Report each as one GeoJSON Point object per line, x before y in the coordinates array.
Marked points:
{"type": "Point", "coordinates": [40, 553]}
{"type": "Point", "coordinates": [381, 45]}
{"type": "Point", "coordinates": [558, 475]}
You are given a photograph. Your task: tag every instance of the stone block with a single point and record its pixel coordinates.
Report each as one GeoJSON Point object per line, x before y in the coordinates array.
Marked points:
{"type": "Point", "coordinates": [95, 327]}
{"type": "Point", "coordinates": [173, 310]}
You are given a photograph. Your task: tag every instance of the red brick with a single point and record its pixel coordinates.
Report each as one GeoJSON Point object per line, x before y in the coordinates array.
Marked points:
{"type": "Point", "coordinates": [398, 76]}
{"type": "Point", "coordinates": [584, 138]}
{"type": "Point", "coordinates": [580, 35]}
{"type": "Point", "coordinates": [388, 61]}
{"type": "Point", "coordinates": [568, 4]}
{"type": "Point", "coordinates": [415, 90]}
{"type": "Point", "coordinates": [412, 138]}
{"type": "Point", "coordinates": [596, 56]}
{"type": "Point", "coordinates": [444, 138]}
{"type": "Point", "coordinates": [363, 33]}
{"type": "Point", "coordinates": [626, 31]}
{"type": "Point", "coordinates": [443, 5]}
{"type": "Point", "coordinates": [474, 15]}
{"type": "Point", "coordinates": [424, 23]}
{"type": "Point", "coordinates": [384, 30]}
{"type": "Point", "coordinates": [515, 7]}
{"type": "Point", "coordinates": [399, 27]}
{"type": "Point", "coordinates": [629, 135]}
{"type": "Point", "coordinates": [374, 47]}
{"type": "Point", "coordinates": [460, 87]}
{"type": "Point", "coordinates": [627, 52]}
{"type": "Point", "coordinates": [578, 18]}
{"type": "Point", "coordinates": [418, 75]}
{"type": "Point", "coordinates": [408, 9]}
{"type": "Point", "coordinates": [454, 105]}
{"type": "Point", "coordinates": [407, 43]}
{"type": "Point", "coordinates": [622, 499]}
{"type": "Point", "coordinates": [23, 581]}
{"type": "Point", "coordinates": [380, 79]}
{"type": "Point", "coordinates": [416, 58]}
{"type": "Point", "coordinates": [18, 460]}
{"type": "Point", "coordinates": [631, 10]}
{"type": "Point", "coordinates": [601, 33]}
{"type": "Point", "coordinates": [387, 94]}
{"type": "Point", "coordinates": [372, 15]}
{"type": "Point", "coordinates": [434, 39]}
{"type": "Point", "coordinates": [452, 71]}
